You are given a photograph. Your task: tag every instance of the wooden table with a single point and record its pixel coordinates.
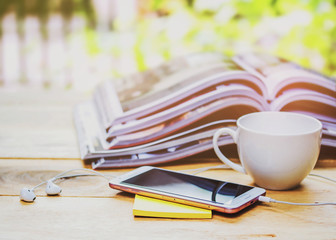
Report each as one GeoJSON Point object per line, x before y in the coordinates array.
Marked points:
{"type": "Point", "coordinates": [38, 140]}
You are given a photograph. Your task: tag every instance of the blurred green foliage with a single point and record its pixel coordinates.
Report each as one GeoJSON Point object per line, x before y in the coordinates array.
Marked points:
{"type": "Point", "coordinates": [303, 31]}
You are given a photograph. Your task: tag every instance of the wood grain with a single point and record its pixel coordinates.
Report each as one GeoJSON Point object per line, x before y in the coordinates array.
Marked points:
{"type": "Point", "coordinates": [38, 124]}
{"type": "Point", "coordinates": [88, 203]}
{"type": "Point", "coordinates": [38, 141]}
{"type": "Point", "coordinates": [102, 218]}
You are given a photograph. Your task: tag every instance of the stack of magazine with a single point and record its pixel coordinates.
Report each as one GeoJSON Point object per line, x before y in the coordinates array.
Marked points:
{"type": "Point", "coordinates": [171, 112]}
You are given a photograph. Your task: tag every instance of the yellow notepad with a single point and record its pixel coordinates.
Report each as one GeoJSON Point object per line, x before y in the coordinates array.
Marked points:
{"type": "Point", "coordinates": [151, 207]}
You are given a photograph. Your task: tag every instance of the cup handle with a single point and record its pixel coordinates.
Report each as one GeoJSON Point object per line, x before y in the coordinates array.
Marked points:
{"type": "Point", "coordinates": [220, 155]}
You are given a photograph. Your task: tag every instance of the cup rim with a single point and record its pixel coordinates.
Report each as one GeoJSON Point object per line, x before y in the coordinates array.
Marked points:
{"type": "Point", "coordinates": [319, 128]}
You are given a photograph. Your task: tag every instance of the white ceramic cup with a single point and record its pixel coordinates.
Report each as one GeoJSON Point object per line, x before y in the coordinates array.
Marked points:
{"type": "Point", "coordinates": [277, 149]}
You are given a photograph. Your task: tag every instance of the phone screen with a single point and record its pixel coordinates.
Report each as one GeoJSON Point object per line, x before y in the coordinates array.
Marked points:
{"type": "Point", "coordinates": [188, 185]}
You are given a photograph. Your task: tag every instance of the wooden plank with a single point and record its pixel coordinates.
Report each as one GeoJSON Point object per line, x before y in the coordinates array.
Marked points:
{"type": "Point", "coordinates": [37, 127]}
{"type": "Point", "coordinates": [38, 124]}
{"type": "Point", "coordinates": [88, 203]}
{"type": "Point", "coordinates": [89, 209]}
{"type": "Point", "coordinates": [16, 174]}
{"type": "Point", "coordinates": [102, 218]}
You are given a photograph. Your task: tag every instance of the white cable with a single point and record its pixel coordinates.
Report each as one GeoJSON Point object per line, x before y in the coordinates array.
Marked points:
{"type": "Point", "coordinates": [81, 169]}
{"type": "Point", "coordinates": [176, 135]}
{"type": "Point", "coordinates": [197, 170]}
{"type": "Point", "coordinates": [318, 175]}
{"type": "Point", "coordinates": [62, 175]}
{"type": "Point", "coordinates": [203, 169]}
{"type": "Point", "coordinates": [268, 199]}
{"type": "Point", "coordinates": [223, 166]}
{"type": "Point", "coordinates": [271, 200]}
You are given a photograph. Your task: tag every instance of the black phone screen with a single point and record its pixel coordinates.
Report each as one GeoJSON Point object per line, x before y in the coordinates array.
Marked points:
{"type": "Point", "coordinates": [188, 185]}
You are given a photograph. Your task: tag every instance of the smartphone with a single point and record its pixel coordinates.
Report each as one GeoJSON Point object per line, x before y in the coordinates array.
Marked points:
{"type": "Point", "coordinates": [187, 189]}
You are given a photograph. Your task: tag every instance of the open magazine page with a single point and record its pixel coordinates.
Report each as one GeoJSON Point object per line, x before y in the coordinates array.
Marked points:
{"type": "Point", "coordinates": [110, 94]}
{"type": "Point", "coordinates": [161, 156]}
{"type": "Point", "coordinates": [186, 83]}
{"type": "Point", "coordinates": [159, 76]}
{"type": "Point", "coordinates": [134, 86]}
{"type": "Point", "coordinates": [107, 104]}
{"type": "Point", "coordinates": [179, 94]}
{"type": "Point", "coordinates": [306, 100]}
{"type": "Point", "coordinates": [215, 94]}
{"type": "Point", "coordinates": [171, 142]}
{"type": "Point", "coordinates": [295, 89]}
{"type": "Point", "coordinates": [168, 84]}
{"type": "Point", "coordinates": [171, 148]}
{"type": "Point", "coordinates": [315, 104]}
{"type": "Point", "coordinates": [177, 116]}
{"type": "Point", "coordinates": [279, 74]}
{"type": "Point", "coordinates": [228, 108]}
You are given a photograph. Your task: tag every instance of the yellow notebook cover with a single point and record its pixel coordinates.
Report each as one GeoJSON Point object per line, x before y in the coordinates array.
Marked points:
{"type": "Point", "coordinates": [151, 207]}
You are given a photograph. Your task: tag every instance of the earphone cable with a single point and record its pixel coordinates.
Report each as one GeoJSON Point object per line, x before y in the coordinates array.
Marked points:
{"type": "Point", "coordinates": [81, 169]}
{"type": "Point", "coordinates": [271, 200]}
{"type": "Point", "coordinates": [268, 199]}
{"type": "Point", "coordinates": [63, 175]}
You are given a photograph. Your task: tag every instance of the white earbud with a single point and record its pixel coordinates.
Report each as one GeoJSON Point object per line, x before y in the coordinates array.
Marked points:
{"type": "Point", "coordinates": [27, 195]}
{"type": "Point", "coordinates": [52, 189]}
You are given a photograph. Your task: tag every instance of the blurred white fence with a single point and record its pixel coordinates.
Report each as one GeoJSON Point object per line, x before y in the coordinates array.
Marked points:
{"type": "Point", "coordinates": [68, 54]}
